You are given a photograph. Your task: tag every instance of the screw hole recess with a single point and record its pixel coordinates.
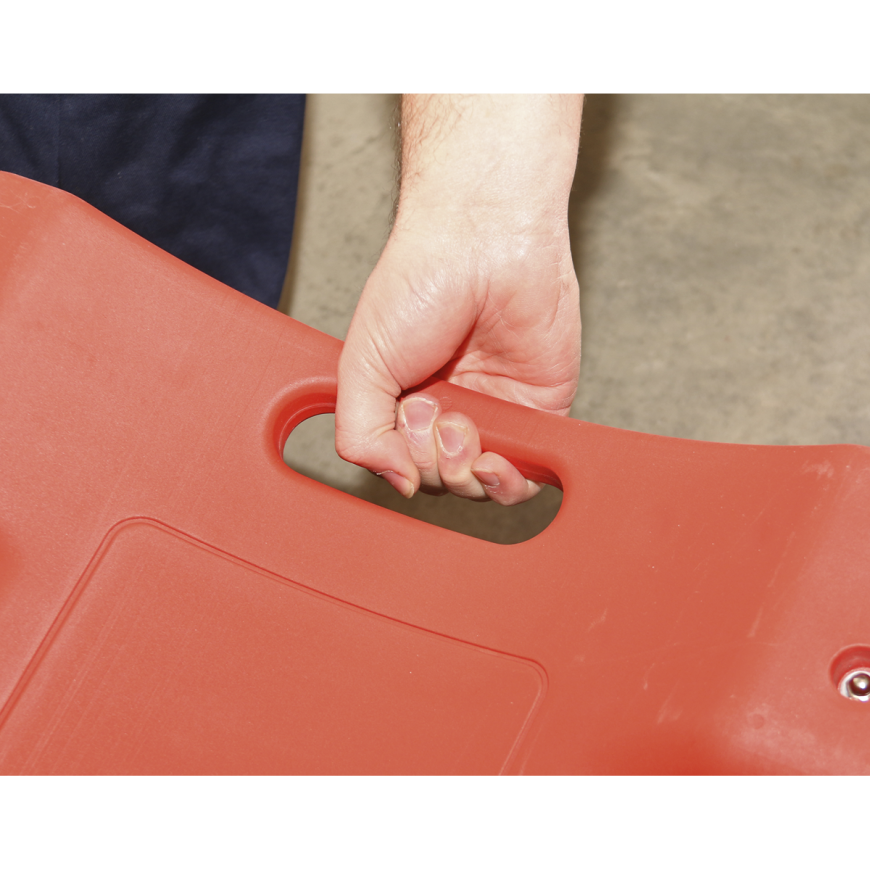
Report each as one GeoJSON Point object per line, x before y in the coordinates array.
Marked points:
{"type": "Point", "coordinates": [850, 673]}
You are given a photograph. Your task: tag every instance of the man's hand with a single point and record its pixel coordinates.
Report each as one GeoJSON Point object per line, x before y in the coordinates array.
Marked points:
{"type": "Point", "coordinates": [475, 285]}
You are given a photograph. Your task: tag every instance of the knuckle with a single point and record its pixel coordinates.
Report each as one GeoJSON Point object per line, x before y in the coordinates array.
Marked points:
{"type": "Point", "coordinates": [427, 468]}
{"type": "Point", "coordinates": [463, 485]}
{"type": "Point", "coordinates": [419, 442]}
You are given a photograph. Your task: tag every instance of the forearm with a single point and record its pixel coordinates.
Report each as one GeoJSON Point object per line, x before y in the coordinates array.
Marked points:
{"type": "Point", "coordinates": [491, 161]}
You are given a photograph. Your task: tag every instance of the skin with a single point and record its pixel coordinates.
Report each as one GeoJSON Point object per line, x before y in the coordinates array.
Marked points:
{"type": "Point", "coordinates": [475, 285]}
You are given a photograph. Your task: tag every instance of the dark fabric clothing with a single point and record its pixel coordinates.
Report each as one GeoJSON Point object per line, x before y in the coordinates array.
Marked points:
{"type": "Point", "coordinates": [211, 178]}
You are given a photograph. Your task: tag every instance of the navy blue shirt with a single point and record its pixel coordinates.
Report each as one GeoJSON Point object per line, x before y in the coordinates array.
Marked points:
{"type": "Point", "coordinates": [211, 178]}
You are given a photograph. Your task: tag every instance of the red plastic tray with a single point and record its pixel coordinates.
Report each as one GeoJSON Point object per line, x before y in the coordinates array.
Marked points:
{"type": "Point", "coordinates": [176, 600]}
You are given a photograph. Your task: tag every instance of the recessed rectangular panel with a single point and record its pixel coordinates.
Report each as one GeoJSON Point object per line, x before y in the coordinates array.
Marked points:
{"type": "Point", "coordinates": [175, 658]}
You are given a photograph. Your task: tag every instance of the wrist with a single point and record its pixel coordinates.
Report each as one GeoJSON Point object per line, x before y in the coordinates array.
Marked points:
{"type": "Point", "coordinates": [500, 163]}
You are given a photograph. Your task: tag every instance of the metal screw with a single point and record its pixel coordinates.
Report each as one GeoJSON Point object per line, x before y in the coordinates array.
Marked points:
{"type": "Point", "coordinates": [856, 685]}
{"type": "Point", "coordinates": [860, 685]}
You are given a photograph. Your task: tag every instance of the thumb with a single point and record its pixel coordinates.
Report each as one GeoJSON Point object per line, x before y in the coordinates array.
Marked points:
{"type": "Point", "coordinates": [365, 415]}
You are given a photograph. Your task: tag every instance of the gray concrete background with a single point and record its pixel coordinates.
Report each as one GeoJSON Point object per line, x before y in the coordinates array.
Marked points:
{"type": "Point", "coordinates": [723, 249]}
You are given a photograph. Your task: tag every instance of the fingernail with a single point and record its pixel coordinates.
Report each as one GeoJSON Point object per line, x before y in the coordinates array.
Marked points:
{"type": "Point", "coordinates": [452, 437]}
{"type": "Point", "coordinates": [418, 413]}
{"type": "Point", "coordinates": [402, 485]}
{"type": "Point", "coordinates": [487, 478]}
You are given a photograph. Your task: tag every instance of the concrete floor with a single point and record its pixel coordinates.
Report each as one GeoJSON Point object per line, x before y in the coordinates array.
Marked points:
{"type": "Point", "coordinates": [723, 249]}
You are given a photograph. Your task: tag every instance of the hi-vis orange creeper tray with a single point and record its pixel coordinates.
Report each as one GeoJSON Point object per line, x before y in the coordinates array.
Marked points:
{"type": "Point", "coordinates": [176, 600]}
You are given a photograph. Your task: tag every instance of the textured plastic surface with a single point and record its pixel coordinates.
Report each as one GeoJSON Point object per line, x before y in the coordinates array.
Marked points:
{"type": "Point", "coordinates": [174, 599]}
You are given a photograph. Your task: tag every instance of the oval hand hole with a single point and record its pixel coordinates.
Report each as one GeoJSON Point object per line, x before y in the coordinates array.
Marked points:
{"type": "Point", "coordinates": [310, 450]}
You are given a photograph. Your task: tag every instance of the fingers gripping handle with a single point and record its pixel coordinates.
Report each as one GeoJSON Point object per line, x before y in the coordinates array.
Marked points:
{"type": "Point", "coordinates": [533, 441]}
{"type": "Point", "coordinates": [537, 443]}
